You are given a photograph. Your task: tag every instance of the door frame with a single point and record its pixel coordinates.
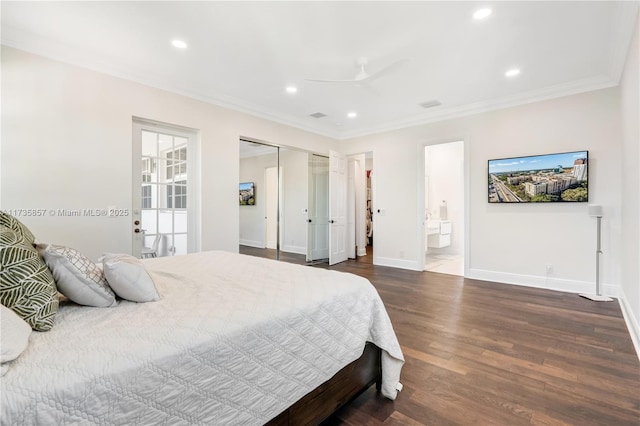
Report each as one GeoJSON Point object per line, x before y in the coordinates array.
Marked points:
{"type": "Point", "coordinates": [138, 124]}
{"type": "Point", "coordinates": [421, 201]}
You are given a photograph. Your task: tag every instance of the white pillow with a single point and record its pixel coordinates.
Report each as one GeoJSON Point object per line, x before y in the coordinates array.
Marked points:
{"type": "Point", "coordinates": [77, 277]}
{"type": "Point", "coordinates": [129, 279]}
{"type": "Point", "coordinates": [14, 336]}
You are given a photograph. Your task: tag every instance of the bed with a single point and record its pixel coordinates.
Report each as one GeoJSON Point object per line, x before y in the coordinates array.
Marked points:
{"type": "Point", "coordinates": [234, 340]}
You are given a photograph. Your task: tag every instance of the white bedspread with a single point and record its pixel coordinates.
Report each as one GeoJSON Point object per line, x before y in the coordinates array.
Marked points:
{"type": "Point", "coordinates": [235, 340]}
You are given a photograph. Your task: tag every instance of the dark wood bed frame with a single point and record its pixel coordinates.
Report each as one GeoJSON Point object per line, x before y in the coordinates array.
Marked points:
{"type": "Point", "coordinates": [324, 400]}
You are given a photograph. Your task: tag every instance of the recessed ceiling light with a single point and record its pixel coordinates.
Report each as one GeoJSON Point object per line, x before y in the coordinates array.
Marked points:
{"type": "Point", "coordinates": [179, 44]}
{"type": "Point", "coordinates": [512, 72]}
{"type": "Point", "coordinates": [352, 115]}
{"type": "Point", "coordinates": [481, 13]}
{"type": "Point", "coordinates": [292, 89]}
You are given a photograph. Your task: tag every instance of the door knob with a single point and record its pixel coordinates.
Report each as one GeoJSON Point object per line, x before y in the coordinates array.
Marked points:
{"type": "Point", "coordinates": [331, 221]}
{"type": "Point", "coordinates": [136, 222]}
{"type": "Point", "coordinates": [309, 220]}
{"type": "Point", "coordinates": [137, 231]}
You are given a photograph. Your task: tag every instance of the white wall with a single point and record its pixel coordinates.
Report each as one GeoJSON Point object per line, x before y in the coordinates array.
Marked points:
{"type": "Point", "coordinates": [510, 243]}
{"type": "Point", "coordinates": [629, 94]}
{"type": "Point", "coordinates": [66, 143]}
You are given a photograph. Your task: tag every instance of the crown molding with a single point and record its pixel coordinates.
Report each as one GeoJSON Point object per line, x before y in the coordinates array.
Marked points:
{"type": "Point", "coordinates": [552, 92]}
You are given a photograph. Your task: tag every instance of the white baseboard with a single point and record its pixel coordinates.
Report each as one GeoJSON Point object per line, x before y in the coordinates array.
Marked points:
{"type": "Point", "coordinates": [559, 284]}
{"type": "Point", "coordinates": [252, 243]}
{"type": "Point", "coordinates": [630, 320]}
{"type": "Point", "coordinates": [295, 249]}
{"type": "Point", "coordinates": [396, 263]}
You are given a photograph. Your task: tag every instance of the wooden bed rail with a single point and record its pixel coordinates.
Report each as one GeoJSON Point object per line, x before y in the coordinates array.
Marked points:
{"type": "Point", "coordinates": [348, 383]}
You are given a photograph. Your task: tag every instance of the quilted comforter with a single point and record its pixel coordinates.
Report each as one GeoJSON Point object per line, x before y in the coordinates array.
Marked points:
{"type": "Point", "coordinates": [235, 340]}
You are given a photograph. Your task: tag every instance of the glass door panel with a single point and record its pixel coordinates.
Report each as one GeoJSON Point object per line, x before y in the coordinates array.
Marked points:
{"type": "Point", "coordinates": [164, 193]}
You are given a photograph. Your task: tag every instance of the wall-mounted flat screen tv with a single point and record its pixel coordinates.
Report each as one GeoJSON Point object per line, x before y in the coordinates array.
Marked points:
{"type": "Point", "coordinates": [549, 178]}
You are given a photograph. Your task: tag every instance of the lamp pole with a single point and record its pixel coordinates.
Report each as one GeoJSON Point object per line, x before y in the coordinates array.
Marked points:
{"type": "Point", "coordinates": [596, 211]}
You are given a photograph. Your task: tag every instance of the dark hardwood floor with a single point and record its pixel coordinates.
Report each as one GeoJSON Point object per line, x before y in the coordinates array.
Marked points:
{"type": "Point", "coordinates": [483, 353]}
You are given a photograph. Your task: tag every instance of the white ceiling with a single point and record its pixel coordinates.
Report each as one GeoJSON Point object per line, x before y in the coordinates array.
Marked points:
{"type": "Point", "coordinates": [242, 55]}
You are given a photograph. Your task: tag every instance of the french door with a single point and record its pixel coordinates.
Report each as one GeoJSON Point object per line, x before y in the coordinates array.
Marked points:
{"type": "Point", "coordinates": [164, 190]}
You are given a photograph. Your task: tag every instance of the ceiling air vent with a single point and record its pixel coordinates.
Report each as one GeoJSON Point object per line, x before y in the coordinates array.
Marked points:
{"type": "Point", "coordinates": [317, 115]}
{"type": "Point", "coordinates": [430, 104]}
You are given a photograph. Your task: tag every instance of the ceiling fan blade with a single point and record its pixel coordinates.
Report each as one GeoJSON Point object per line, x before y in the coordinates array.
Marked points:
{"type": "Point", "coordinates": [362, 76]}
{"type": "Point", "coordinates": [386, 70]}
{"type": "Point", "coordinates": [369, 88]}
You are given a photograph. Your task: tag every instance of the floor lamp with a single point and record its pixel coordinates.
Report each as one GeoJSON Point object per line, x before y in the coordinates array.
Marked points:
{"type": "Point", "coordinates": [596, 211]}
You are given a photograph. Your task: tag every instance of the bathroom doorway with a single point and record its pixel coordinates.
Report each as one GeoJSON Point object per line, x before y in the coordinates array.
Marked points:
{"type": "Point", "coordinates": [444, 208]}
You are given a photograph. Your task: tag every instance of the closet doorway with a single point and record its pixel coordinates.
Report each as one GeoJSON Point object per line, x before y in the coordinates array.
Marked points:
{"type": "Point", "coordinates": [444, 208]}
{"type": "Point", "coordinates": [356, 206]}
{"type": "Point", "coordinates": [369, 201]}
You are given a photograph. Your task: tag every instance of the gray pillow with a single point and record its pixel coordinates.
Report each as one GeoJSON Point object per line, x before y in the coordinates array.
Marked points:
{"type": "Point", "coordinates": [77, 277]}
{"type": "Point", "coordinates": [128, 278]}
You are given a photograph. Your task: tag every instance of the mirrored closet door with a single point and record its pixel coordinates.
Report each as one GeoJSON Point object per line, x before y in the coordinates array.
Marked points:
{"type": "Point", "coordinates": [283, 203]}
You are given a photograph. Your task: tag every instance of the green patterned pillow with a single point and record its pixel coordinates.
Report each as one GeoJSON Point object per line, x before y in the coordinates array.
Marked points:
{"type": "Point", "coordinates": [16, 226]}
{"type": "Point", "coordinates": [26, 284]}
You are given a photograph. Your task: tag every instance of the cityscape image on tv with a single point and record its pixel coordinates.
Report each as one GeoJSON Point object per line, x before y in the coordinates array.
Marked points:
{"type": "Point", "coordinates": [548, 178]}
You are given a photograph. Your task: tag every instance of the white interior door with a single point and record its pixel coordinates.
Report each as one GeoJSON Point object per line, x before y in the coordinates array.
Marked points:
{"type": "Point", "coordinates": [337, 207]}
{"type": "Point", "coordinates": [165, 187]}
{"type": "Point", "coordinates": [318, 219]}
